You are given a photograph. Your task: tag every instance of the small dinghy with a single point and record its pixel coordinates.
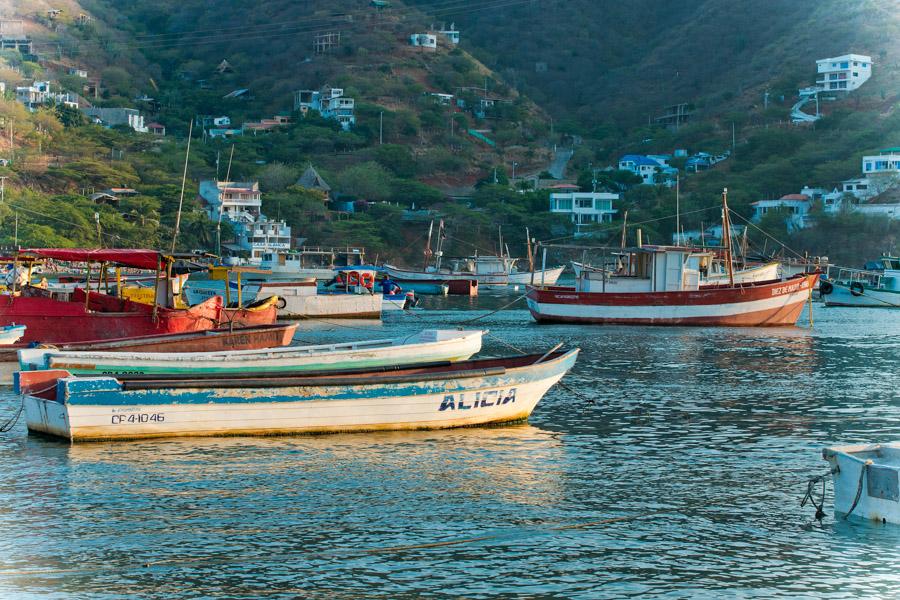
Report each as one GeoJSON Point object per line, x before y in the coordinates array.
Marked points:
{"type": "Point", "coordinates": [429, 345]}
{"type": "Point", "coordinates": [866, 480]}
{"type": "Point", "coordinates": [421, 396]}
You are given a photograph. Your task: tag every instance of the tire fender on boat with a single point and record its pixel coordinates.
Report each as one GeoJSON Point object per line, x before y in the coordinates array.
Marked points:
{"type": "Point", "coordinates": [825, 288]}
{"type": "Point", "coordinates": [857, 289]}
{"type": "Point", "coordinates": [282, 303]}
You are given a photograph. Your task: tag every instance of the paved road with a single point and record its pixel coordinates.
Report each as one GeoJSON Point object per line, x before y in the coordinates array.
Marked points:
{"type": "Point", "coordinates": [557, 166]}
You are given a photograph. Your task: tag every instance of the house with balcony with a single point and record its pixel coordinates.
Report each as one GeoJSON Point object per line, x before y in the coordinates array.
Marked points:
{"type": "Point", "coordinates": [843, 73]}
{"type": "Point", "coordinates": [451, 33]}
{"type": "Point", "coordinates": [329, 102]}
{"type": "Point", "coordinates": [585, 209]}
{"type": "Point", "coordinates": [427, 41]}
{"type": "Point", "coordinates": [885, 163]}
{"type": "Point", "coordinates": [266, 124]}
{"type": "Point", "coordinates": [39, 94]}
{"type": "Point", "coordinates": [240, 203]}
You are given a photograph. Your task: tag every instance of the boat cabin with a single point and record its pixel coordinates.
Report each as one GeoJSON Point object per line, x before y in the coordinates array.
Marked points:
{"type": "Point", "coordinates": [649, 269]}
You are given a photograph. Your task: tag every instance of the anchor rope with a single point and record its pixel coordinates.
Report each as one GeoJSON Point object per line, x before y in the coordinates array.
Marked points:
{"type": "Point", "coordinates": [859, 486]}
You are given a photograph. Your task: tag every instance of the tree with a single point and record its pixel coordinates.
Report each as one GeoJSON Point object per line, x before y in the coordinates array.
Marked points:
{"type": "Point", "coordinates": [396, 158]}
{"type": "Point", "coordinates": [277, 177]}
{"type": "Point", "coordinates": [368, 181]}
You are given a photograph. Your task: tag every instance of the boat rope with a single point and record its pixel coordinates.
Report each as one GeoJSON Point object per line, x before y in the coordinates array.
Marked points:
{"type": "Point", "coordinates": [859, 486]}
{"type": "Point", "coordinates": [493, 312]}
{"type": "Point", "coordinates": [809, 497]}
{"type": "Point", "coordinates": [11, 422]}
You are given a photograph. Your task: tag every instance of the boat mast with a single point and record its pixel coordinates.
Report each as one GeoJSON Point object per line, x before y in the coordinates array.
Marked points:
{"type": "Point", "coordinates": [624, 226]}
{"type": "Point", "coordinates": [726, 233]}
{"type": "Point", "coordinates": [440, 246]}
{"type": "Point", "coordinates": [427, 251]}
{"type": "Point", "coordinates": [187, 155]}
{"type": "Point", "coordinates": [528, 248]}
{"type": "Point", "coordinates": [678, 235]}
{"type": "Point", "coordinates": [222, 202]}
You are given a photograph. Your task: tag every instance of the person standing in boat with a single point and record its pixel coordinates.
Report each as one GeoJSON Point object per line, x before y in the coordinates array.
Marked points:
{"type": "Point", "coordinates": [389, 287]}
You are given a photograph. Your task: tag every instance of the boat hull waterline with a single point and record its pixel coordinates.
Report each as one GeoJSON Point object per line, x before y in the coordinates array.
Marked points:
{"type": "Point", "coordinates": [767, 304]}
{"type": "Point", "coordinates": [103, 408]}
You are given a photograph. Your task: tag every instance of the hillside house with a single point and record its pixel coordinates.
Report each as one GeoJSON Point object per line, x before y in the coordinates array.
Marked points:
{"type": "Point", "coordinates": [78, 72]}
{"type": "Point", "coordinates": [111, 117]}
{"type": "Point", "coordinates": [240, 203]}
{"type": "Point", "coordinates": [156, 129]}
{"type": "Point", "coordinates": [585, 209]}
{"type": "Point", "coordinates": [423, 40]}
{"type": "Point", "coordinates": [223, 132]}
{"type": "Point", "coordinates": [311, 180]}
{"type": "Point", "coordinates": [39, 94]}
{"type": "Point", "coordinates": [451, 33]}
{"type": "Point", "coordinates": [650, 170]}
{"type": "Point", "coordinates": [329, 102]}
{"type": "Point", "coordinates": [843, 73]}
{"type": "Point", "coordinates": [886, 162]}
{"type": "Point", "coordinates": [266, 124]}
{"type": "Point", "coordinates": [104, 198]}
{"type": "Point", "coordinates": [13, 37]}
{"type": "Point", "coordinates": [795, 207]}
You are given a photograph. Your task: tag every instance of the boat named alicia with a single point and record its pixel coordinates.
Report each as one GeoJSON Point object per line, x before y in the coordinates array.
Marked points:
{"type": "Point", "coordinates": [475, 392]}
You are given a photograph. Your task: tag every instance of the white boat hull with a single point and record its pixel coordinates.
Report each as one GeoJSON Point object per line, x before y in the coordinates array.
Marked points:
{"type": "Point", "coordinates": [879, 496]}
{"type": "Point", "coordinates": [841, 295]}
{"type": "Point", "coordinates": [335, 306]}
{"type": "Point", "coordinates": [403, 275]}
{"type": "Point", "coordinates": [545, 277]}
{"type": "Point", "coordinates": [100, 409]}
{"type": "Point", "coordinates": [430, 345]}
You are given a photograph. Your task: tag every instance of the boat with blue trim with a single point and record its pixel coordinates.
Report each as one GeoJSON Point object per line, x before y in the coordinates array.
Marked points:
{"type": "Point", "coordinates": [424, 396]}
{"type": "Point", "coordinates": [429, 345]}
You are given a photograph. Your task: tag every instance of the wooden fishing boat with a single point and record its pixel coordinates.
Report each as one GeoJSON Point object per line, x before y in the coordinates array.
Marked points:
{"type": "Point", "coordinates": [10, 334]}
{"type": "Point", "coordinates": [258, 312]}
{"type": "Point", "coordinates": [210, 340]}
{"type": "Point", "coordinates": [430, 345]}
{"type": "Point", "coordinates": [663, 285]}
{"type": "Point", "coordinates": [865, 480]}
{"type": "Point", "coordinates": [89, 315]}
{"type": "Point", "coordinates": [475, 392]}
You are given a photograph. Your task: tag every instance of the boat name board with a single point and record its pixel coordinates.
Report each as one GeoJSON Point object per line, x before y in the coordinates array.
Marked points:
{"type": "Point", "coordinates": [793, 287]}
{"type": "Point", "coordinates": [481, 400]}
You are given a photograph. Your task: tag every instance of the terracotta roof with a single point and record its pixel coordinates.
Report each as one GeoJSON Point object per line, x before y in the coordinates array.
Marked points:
{"type": "Point", "coordinates": [794, 197]}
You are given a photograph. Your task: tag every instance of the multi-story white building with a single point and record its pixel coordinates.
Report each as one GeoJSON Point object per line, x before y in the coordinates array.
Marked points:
{"type": "Point", "coordinates": [39, 93]}
{"type": "Point", "coordinates": [329, 102]}
{"type": "Point", "coordinates": [843, 73]}
{"type": "Point", "coordinates": [584, 208]}
{"type": "Point", "coordinates": [423, 40]}
{"type": "Point", "coordinates": [240, 203]}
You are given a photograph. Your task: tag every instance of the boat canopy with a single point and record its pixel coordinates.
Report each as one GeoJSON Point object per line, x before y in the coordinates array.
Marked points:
{"type": "Point", "coordinates": [138, 259]}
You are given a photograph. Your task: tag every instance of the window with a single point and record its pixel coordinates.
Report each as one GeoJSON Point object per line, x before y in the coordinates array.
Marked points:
{"type": "Point", "coordinates": [833, 85]}
{"type": "Point", "coordinates": [862, 186]}
{"type": "Point", "coordinates": [845, 65]}
{"type": "Point", "coordinates": [843, 85]}
{"type": "Point", "coordinates": [584, 203]}
{"type": "Point", "coordinates": [855, 74]}
{"type": "Point", "coordinates": [833, 76]}
{"type": "Point", "coordinates": [855, 64]}
{"type": "Point", "coordinates": [562, 204]}
{"type": "Point", "coordinates": [868, 167]}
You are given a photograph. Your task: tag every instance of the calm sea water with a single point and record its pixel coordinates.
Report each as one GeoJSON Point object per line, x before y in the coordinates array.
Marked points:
{"type": "Point", "coordinates": [701, 440]}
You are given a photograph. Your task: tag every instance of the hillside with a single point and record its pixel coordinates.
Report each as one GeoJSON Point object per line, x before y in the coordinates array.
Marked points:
{"type": "Point", "coordinates": [599, 73]}
{"type": "Point", "coordinates": [633, 59]}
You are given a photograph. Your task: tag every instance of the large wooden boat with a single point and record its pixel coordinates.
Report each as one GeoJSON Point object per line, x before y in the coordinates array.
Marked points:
{"type": "Point", "coordinates": [80, 315]}
{"type": "Point", "coordinates": [474, 392]}
{"type": "Point", "coordinates": [430, 345]}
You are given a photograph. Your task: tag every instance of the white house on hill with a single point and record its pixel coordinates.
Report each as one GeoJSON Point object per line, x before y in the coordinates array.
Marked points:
{"type": "Point", "coordinates": [584, 208]}
{"type": "Point", "coordinates": [423, 40]}
{"type": "Point", "coordinates": [843, 73]}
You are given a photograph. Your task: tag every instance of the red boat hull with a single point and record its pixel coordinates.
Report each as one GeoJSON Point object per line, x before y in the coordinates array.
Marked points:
{"type": "Point", "coordinates": [54, 320]}
{"type": "Point", "coordinates": [766, 304]}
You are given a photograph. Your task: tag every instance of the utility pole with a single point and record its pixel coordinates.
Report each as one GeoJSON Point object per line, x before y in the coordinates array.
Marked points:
{"type": "Point", "coordinates": [381, 128]}
{"type": "Point", "coordinates": [515, 164]}
{"type": "Point", "coordinates": [99, 239]}
{"type": "Point", "coordinates": [16, 234]}
{"type": "Point", "coordinates": [3, 179]}
{"type": "Point", "coordinates": [677, 211]}
{"type": "Point", "coordinates": [733, 138]}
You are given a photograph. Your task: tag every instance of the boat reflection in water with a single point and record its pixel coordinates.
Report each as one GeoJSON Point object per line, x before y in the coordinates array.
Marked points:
{"type": "Point", "coordinates": [514, 463]}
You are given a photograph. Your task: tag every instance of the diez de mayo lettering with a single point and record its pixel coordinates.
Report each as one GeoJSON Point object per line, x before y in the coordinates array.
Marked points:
{"type": "Point", "coordinates": [785, 289]}
{"type": "Point", "coordinates": [480, 400]}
